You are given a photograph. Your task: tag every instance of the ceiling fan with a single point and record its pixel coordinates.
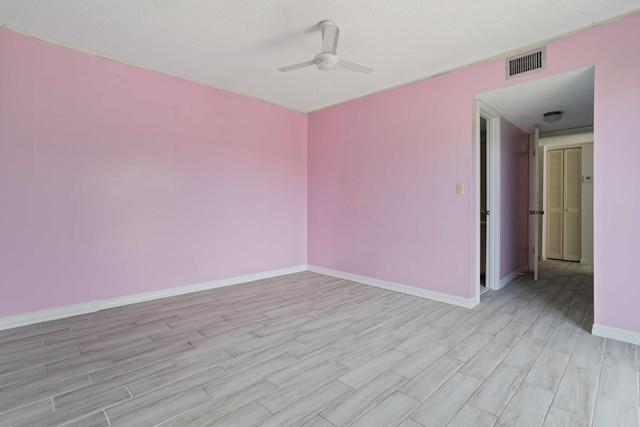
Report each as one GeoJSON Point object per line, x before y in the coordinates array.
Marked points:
{"type": "Point", "coordinates": [327, 60]}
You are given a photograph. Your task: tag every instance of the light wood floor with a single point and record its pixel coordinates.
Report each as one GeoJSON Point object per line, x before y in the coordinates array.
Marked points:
{"type": "Point", "coordinates": [312, 350]}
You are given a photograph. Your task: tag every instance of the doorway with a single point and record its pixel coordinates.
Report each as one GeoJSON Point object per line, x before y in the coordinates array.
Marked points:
{"type": "Point", "coordinates": [488, 198]}
{"type": "Point", "coordinates": [573, 239]}
{"type": "Point", "coordinates": [524, 105]}
{"type": "Point", "coordinates": [483, 204]}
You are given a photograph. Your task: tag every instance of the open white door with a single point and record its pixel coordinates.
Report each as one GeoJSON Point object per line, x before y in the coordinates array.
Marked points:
{"type": "Point", "coordinates": [534, 204]}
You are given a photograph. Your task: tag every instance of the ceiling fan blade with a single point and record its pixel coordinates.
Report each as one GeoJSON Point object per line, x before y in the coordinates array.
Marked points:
{"type": "Point", "coordinates": [330, 35]}
{"type": "Point", "coordinates": [354, 67]}
{"type": "Point", "coordinates": [296, 66]}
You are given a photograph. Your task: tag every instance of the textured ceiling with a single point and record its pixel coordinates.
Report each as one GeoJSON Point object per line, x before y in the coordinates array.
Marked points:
{"type": "Point", "coordinates": [525, 103]}
{"type": "Point", "coordinates": [238, 45]}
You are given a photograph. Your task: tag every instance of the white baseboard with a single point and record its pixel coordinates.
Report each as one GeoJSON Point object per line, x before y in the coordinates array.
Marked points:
{"type": "Point", "coordinates": [48, 314]}
{"type": "Point", "coordinates": [397, 287]}
{"type": "Point", "coordinates": [93, 306]}
{"type": "Point", "coordinates": [625, 335]}
{"type": "Point", "coordinates": [512, 276]}
{"type": "Point", "coordinates": [586, 261]}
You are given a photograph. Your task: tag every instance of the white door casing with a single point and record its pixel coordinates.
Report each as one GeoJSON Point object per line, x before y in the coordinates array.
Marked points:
{"type": "Point", "coordinates": [492, 270]}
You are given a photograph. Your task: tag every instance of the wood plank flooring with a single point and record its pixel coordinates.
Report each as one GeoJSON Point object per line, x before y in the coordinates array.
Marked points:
{"type": "Point", "coordinates": [311, 350]}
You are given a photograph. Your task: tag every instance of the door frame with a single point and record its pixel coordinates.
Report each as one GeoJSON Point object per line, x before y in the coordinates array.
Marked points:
{"type": "Point", "coordinates": [572, 138]}
{"type": "Point", "coordinates": [492, 269]}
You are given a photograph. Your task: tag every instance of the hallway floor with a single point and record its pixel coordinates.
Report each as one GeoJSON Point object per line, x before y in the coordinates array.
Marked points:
{"type": "Point", "coordinates": [307, 349]}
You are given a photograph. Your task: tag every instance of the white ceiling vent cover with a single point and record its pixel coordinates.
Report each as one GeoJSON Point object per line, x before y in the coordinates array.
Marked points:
{"type": "Point", "coordinates": [527, 63]}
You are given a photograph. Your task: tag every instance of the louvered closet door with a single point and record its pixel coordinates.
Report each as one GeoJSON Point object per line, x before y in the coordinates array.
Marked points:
{"type": "Point", "coordinates": [572, 203]}
{"type": "Point", "coordinates": [555, 203]}
{"type": "Point", "coordinates": [564, 198]}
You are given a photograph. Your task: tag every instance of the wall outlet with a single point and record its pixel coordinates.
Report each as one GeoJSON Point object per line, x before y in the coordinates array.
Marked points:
{"type": "Point", "coordinates": [459, 188]}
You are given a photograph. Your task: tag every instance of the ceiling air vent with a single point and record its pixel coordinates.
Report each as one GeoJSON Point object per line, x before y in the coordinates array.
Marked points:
{"type": "Point", "coordinates": [526, 63]}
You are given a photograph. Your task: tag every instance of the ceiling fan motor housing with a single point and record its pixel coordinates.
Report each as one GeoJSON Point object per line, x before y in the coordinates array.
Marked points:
{"type": "Point", "coordinates": [326, 61]}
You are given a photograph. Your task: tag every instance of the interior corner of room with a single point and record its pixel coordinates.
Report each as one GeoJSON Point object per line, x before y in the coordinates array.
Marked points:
{"type": "Point", "coordinates": [122, 184]}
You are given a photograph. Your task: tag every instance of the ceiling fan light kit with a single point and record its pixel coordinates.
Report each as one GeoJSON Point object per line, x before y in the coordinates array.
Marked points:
{"type": "Point", "coordinates": [327, 60]}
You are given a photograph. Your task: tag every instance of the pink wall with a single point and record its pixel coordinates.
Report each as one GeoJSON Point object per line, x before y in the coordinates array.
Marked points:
{"type": "Point", "coordinates": [382, 174]}
{"type": "Point", "coordinates": [116, 180]}
{"type": "Point", "coordinates": [616, 173]}
{"type": "Point", "coordinates": [514, 198]}
{"type": "Point", "coordinates": [382, 179]}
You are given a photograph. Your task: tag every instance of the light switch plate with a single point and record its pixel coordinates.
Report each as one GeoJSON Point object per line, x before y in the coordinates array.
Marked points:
{"type": "Point", "coordinates": [459, 188]}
